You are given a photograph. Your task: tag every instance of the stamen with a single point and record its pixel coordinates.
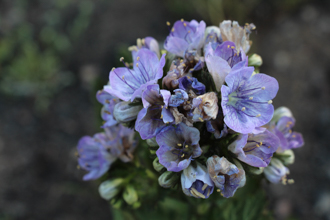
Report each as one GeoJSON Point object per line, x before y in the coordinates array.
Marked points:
{"type": "Point", "coordinates": [260, 143]}
{"type": "Point", "coordinates": [182, 20]}
{"type": "Point", "coordinates": [172, 29]}
{"type": "Point", "coordinates": [186, 146]}
{"type": "Point", "coordinates": [251, 98]}
{"type": "Point", "coordinates": [196, 193]}
{"type": "Point", "coordinates": [204, 186]}
{"type": "Point", "coordinates": [121, 59]}
{"type": "Point", "coordinates": [200, 119]}
{"type": "Point", "coordinates": [137, 64]}
{"type": "Point", "coordinates": [290, 131]}
{"type": "Point", "coordinates": [293, 136]}
{"type": "Point", "coordinates": [270, 102]}
{"type": "Point", "coordinates": [268, 146]}
{"type": "Point", "coordinates": [143, 41]}
{"type": "Point", "coordinates": [107, 112]}
{"type": "Point", "coordinates": [113, 69]}
{"type": "Point", "coordinates": [123, 77]}
{"type": "Point", "coordinates": [243, 109]}
{"type": "Point", "coordinates": [138, 58]}
{"type": "Point", "coordinates": [232, 47]}
{"type": "Point", "coordinates": [161, 116]}
{"type": "Point", "coordinates": [218, 190]}
{"type": "Point", "coordinates": [188, 31]}
{"type": "Point", "coordinates": [214, 178]}
{"type": "Point", "coordinates": [168, 23]}
{"type": "Point", "coordinates": [182, 156]}
{"type": "Point", "coordinates": [228, 46]}
{"type": "Point", "coordinates": [263, 88]}
{"type": "Point", "coordinates": [184, 24]}
{"type": "Point", "coordinates": [179, 145]}
{"type": "Point", "coordinates": [78, 167]}
{"type": "Point", "coordinates": [208, 192]}
{"type": "Point", "coordinates": [257, 145]}
{"type": "Point", "coordinates": [258, 115]}
{"type": "Point", "coordinates": [107, 101]}
{"type": "Point", "coordinates": [291, 181]}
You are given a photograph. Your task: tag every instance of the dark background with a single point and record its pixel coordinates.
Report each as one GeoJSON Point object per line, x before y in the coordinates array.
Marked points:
{"type": "Point", "coordinates": [55, 54]}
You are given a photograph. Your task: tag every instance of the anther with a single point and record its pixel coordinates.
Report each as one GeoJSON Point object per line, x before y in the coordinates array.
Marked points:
{"type": "Point", "coordinates": [138, 58]}
{"type": "Point", "coordinates": [251, 98]}
{"type": "Point", "coordinates": [182, 20]}
{"type": "Point", "coordinates": [121, 59]}
{"type": "Point", "coordinates": [293, 136]}
{"type": "Point", "coordinates": [243, 109]}
{"type": "Point", "coordinates": [232, 47]}
{"type": "Point", "coordinates": [228, 46]}
{"type": "Point", "coordinates": [204, 186]}
{"type": "Point", "coordinates": [172, 29]}
{"type": "Point", "coordinates": [270, 102]}
{"type": "Point", "coordinates": [218, 190]}
{"type": "Point", "coordinates": [168, 23]}
{"type": "Point", "coordinates": [291, 181]}
{"type": "Point", "coordinates": [263, 88]}
{"type": "Point", "coordinates": [260, 143]}
{"type": "Point", "coordinates": [113, 69]}
{"type": "Point", "coordinates": [143, 41]}
{"type": "Point", "coordinates": [258, 115]}
{"type": "Point", "coordinates": [268, 146]}
{"type": "Point", "coordinates": [184, 24]}
{"type": "Point", "coordinates": [188, 31]}
{"type": "Point", "coordinates": [257, 145]}
{"type": "Point", "coordinates": [186, 146]}
{"type": "Point", "coordinates": [107, 101]}
{"type": "Point", "coordinates": [137, 64]}
{"type": "Point", "coordinates": [196, 193]}
{"type": "Point", "coordinates": [161, 116]}
{"type": "Point", "coordinates": [78, 167]}
{"type": "Point", "coordinates": [162, 106]}
{"type": "Point", "coordinates": [123, 77]}
{"type": "Point", "coordinates": [179, 145]}
{"type": "Point", "coordinates": [107, 112]}
{"type": "Point", "coordinates": [200, 119]}
{"type": "Point", "coordinates": [182, 156]}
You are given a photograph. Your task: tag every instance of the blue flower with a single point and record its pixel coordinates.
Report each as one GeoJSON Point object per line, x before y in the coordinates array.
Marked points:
{"type": "Point", "coordinates": [185, 36]}
{"type": "Point", "coordinates": [128, 84]}
{"type": "Point", "coordinates": [255, 149]}
{"type": "Point", "coordinates": [155, 114]}
{"type": "Point", "coordinates": [108, 101]}
{"type": "Point", "coordinates": [196, 182]}
{"type": "Point", "coordinates": [148, 43]}
{"type": "Point", "coordinates": [247, 99]}
{"type": "Point", "coordinates": [178, 146]}
{"type": "Point", "coordinates": [188, 83]}
{"type": "Point", "coordinates": [94, 157]}
{"type": "Point", "coordinates": [225, 175]}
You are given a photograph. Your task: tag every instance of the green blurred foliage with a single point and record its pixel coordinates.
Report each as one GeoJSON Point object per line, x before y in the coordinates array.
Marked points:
{"type": "Point", "coordinates": [33, 49]}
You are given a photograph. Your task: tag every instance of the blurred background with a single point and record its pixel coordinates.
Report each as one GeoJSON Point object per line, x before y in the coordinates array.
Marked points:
{"type": "Point", "coordinates": [55, 54]}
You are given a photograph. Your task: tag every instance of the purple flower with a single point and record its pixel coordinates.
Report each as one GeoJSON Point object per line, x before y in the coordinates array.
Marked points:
{"type": "Point", "coordinates": [217, 126]}
{"type": "Point", "coordinates": [185, 36]}
{"type": "Point", "coordinates": [276, 171]}
{"type": "Point", "coordinates": [109, 103]}
{"type": "Point", "coordinates": [188, 83]}
{"type": "Point", "coordinates": [255, 149]}
{"type": "Point", "coordinates": [221, 60]}
{"type": "Point", "coordinates": [225, 175]}
{"type": "Point", "coordinates": [288, 138]}
{"type": "Point", "coordinates": [127, 84]}
{"type": "Point", "coordinates": [247, 99]}
{"type": "Point", "coordinates": [212, 37]}
{"type": "Point", "coordinates": [94, 157]}
{"type": "Point", "coordinates": [179, 98]}
{"type": "Point", "coordinates": [178, 146]}
{"type": "Point", "coordinates": [155, 114]}
{"type": "Point", "coordinates": [148, 43]}
{"type": "Point", "coordinates": [196, 182]}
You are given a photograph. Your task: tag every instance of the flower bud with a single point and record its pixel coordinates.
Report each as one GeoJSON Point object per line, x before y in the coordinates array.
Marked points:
{"type": "Point", "coordinates": [276, 171]}
{"type": "Point", "coordinates": [281, 112]}
{"type": "Point", "coordinates": [287, 157]}
{"type": "Point", "coordinates": [110, 188]}
{"type": "Point", "coordinates": [255, 170]}
{"type": "Point", "coordinates": [125, 112]}
{"type": "Point", "coordinates": [152, 142]}
{"type": "Point", "coordinates": [168, 179]}
{"type": "Point", "coordinates": [255, 60]}
{"type": "Point", "coordinates": [130, 195]}
{"type": "Point", "coordinates": [116, 203]}
{"type": "Point", "coordinates": [157, 166]}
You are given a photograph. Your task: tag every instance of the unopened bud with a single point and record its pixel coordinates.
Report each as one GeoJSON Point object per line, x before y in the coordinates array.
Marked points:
{"type": "Point", "coordinates": [275, 171]}
{"type": "Point", "coordinates": [157, 166]}
{"type": "Point", "coordinates": [255, 170]}
{"type": "Point", "coordinates": [287, 157]}
{"type": "Point", "coordinates": [281, 112]}
{"type": "Point", "coordinates": [110, 188]}
{"type": "Point", "coordinates": [255, 60]}
{"type": "Point", "coordinates": [168, 179]}
{"type": "Point", "coordinates": [116, 203]}
{"type": "Point", "coordinates": [125, 112]}
{"type": "Point", "coordinates": [152, 142]}
{"type": "Point", "coordinates": [130, 195]}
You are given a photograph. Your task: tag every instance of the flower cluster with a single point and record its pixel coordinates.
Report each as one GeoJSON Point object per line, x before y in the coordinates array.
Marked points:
{"type": "Point", "coordinates": [203, 108]}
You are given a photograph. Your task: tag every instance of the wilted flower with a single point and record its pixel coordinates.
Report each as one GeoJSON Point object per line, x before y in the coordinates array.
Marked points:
{"type": "Point", "coordinates": [178, 99]}
{"type": "Point", "coordinates": [125, 112]}
{"type": "Point", "coordinates": [155, 114]}
{"type": "Point", "coordinates": [225, 175]}
{"type": "Point", "coordinates": [108, 101]}
{"type": "Point", "coordinates": [217, 126]}
{"type": "Point", "coordinates": [110, 188]}
{"type": "Point", "coordinates": [127, 84]}
{"type": "Point", "coordinates": [196, 182]}
{"type": "Point", "coordinates": [94, 157]}
{"type": "Point", "coordinates": [276, 171]}
{"type": "Point", "coordinates": [221, 60]}
{"type": "Point", "coordinates": [178, 146]}
{"type": "Point", "coordinates": [206, 107]}
{"type": "Point", "coordinates": [231, 31]}
{"type": "Point", "coordinates": [255, 149]}
{"type": "Point", "coordinates": [148, 43]}
{"type": "Point", "coordinates": [185, 36]}
{"type": "Point", "coordinates": [247, 99]}
{"type": "Point", "coordinates": [191, 84]}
